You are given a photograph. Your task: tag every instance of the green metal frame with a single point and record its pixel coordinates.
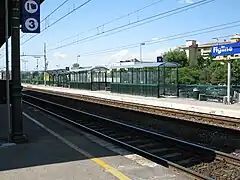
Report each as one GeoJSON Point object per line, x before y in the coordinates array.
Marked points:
{"type": "Point", "coordinates": [151, 81]}
{"type": "Point", "coordinates": [92, 79]}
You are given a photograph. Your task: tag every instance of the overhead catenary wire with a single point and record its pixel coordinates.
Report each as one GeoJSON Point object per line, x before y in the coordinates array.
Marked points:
{"type": "Point", "coordinates": [175, 38]}
{"type": "Point", "coordinates": [51, 13]}
{"type": "Point", "coordinates": [184, 36]}
{"type": "Point", "coordinates": [150, 19]}
{"type": "Point", "coordinates": [168, 38]}
{"type": "Point", "coordinates": [209, 31]}
{"type": "Point", "coordinates": [86, 40]}
{"type": "Point", "coordinates": [113, 20]}
{"type": "Point", "coordinates": [58, 20]}
{"type": "Point", "coordinates": [90, 38]}
{"type": "Point", "coordinates": [226, 36]}
{"type": "Point", "coordinates": [55, 10]}
{"type": "Point", "coordinates": [136, 46]}
{"type": "Point", "coordinates": [133, 12]}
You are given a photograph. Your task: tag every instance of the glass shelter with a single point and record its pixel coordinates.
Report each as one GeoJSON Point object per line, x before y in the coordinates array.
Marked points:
{"type": "Point", "coordinates": [146, 79]}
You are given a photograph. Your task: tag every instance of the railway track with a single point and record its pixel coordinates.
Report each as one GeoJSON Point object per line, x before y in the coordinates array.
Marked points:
{"type": "Point", "coordinates": [198, 161]}
{"type": "Point", "coordinates": [222, 121]}
{"type": "Point", "coordinates": [214, 137]}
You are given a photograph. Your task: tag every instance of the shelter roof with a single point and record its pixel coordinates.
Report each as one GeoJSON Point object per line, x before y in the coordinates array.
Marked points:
{"type": "Point", "coordinates": [93, 68]}
{"type": "Point", "coordinates": [148, 65]}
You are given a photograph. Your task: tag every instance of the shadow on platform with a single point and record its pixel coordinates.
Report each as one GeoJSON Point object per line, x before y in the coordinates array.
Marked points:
{"type": "Point", "coordinates": [45, 149]}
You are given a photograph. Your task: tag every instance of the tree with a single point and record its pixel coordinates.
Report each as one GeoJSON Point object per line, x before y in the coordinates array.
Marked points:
{"type": "Point", "coordinates": [188, 75]}
{"type": "Point", "coordinates": [219, 76]}
{"type": "Point", "coordinates": [236, 72]}
{"type": "Point", "coordinates": [176, 56]}
{"type": "Point", "coordinates": [205, 75]}
{"type": "Point", "coordinates": [206, 71]}
{"type": "Point", "coordinates": [35, 74]}
{"type": "Point", "coordinates": [41, 77]}
{"type": "Point", "coordinates": [219, 72]}
{"type": "Point", "coordinates": [204, 62]}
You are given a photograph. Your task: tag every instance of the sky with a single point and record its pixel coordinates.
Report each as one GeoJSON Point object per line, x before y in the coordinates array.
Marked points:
{"type": "Point", "coordinates": [82, 24]}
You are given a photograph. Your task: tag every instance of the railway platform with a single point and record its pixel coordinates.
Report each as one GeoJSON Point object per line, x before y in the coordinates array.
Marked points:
{"type": "Point", "coordinates": [56, 150]}
{"type": "Point", "coordinates": [212, 108]}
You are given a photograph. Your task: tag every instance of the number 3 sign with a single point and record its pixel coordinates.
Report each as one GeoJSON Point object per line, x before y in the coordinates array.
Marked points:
{"type": "Point", "coordinates": [30, 16]}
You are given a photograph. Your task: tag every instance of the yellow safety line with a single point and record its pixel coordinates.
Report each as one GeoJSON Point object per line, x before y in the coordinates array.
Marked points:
{"type": "Point", "coordinates": [98, 161]}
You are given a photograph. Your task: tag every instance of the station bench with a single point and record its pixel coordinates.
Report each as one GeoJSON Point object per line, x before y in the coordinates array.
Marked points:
{"type": "Point", "coordinates": [107, 88]}
{"type": "Point", "coordinates": [205, 97]}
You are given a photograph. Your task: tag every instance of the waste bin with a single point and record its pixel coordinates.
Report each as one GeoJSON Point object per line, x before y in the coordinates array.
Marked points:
{"type": "Point", "coordinates": [236, 96]}
{"type": "Point", "coordinates": [196, 93]}
{"type": "Point", "coordinates": [181, 93]}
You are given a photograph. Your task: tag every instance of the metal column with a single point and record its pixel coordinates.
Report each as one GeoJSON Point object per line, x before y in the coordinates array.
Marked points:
{"type": "Point", "coordinates": [140, 53]}
{"type": "Point", "coordinates": [7, 71]}
{"type": "Point", "coordinates": [142, 44]}
{"type": "Point", "coordinates": [177, 80]}
{"type": "Point", "coordinates": [229, 82]}
{"type": "Point", "coordinates": [17, 120]}
{"type": "Point", "coordinates": [45, 63]}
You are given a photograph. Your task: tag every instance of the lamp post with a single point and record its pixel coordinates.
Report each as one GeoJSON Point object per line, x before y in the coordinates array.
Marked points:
{"type": "Point", "coordinates": [24, 72]}
{"type": "Point", "coordinates": [37, 63]}
{"type": "Point", "coordinates": [25, 64]}
{"type": "Point", "coordinates": [142, 44]}
{"type": "Point", "coordinates": [44, 55]}
{"type": "Point", "coordinates": [217, 40]}
{"type": "Point", "coordinates": [78, 56]}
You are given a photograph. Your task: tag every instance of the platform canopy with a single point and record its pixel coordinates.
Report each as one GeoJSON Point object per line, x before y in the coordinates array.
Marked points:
{"type": "Point", "coordinates": [90, 69]}
{"type": "Point", "coordinates": [56, 71]}
{"type": "Point", "coordinates": [2, 20]}
{"type": "Point", "coordinates": [148, 65]}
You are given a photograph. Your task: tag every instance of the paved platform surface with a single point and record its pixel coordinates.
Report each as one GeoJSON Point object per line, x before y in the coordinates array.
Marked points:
{"type": "Point", "coordinates": [3, 124]}
{"type": "Point", "coordinates": [176, 103]}
{"type": "Point", "coordinates": [57, 151]}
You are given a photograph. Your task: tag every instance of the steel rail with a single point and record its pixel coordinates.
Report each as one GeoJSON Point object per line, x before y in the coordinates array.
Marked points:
{"type": "Point", "coordinates": [198, 117]}
{"type": "Point", "coordinates": [219, 155]}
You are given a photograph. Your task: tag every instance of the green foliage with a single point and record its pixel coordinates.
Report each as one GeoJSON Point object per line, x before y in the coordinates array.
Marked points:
{"type": "Point", "coordinates": [176, 56]}
{"type": "Point", "coordinates": [188, 75]}
{"type": "Point", "coordinates": [206, 71]}
{"type": "Point", "coordinates": [204, 62]}
{"type": "Point", "coordinates": [205, 75]}
{"type": "Point", "coordinates": [41, 77]}
{"type": "Point", "coordinates": [218, 72]}
{"type": "Point", "coordinates": [236, 72]}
